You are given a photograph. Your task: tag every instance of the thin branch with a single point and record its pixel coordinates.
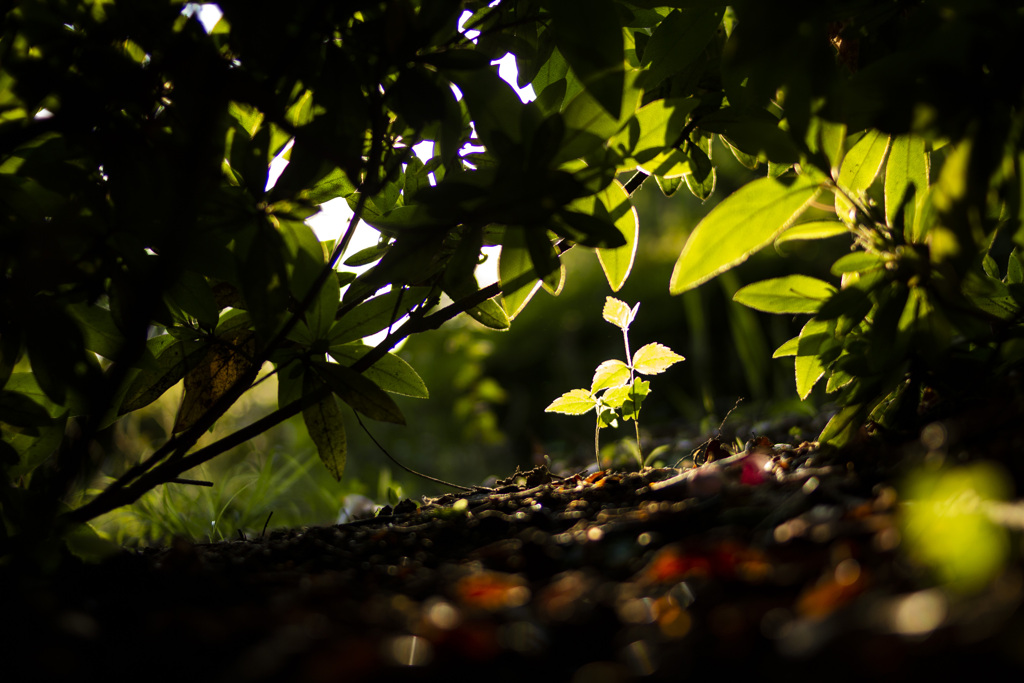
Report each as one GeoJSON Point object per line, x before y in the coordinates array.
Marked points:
{"type": "Point", "coordinates": [408, 469]}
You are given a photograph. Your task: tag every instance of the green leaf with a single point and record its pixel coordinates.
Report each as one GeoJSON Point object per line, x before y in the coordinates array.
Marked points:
{"type": "Point", "coordinates": [637, 392]}
{"type": "Point", "coordinates": [654, 359]}
{"type": "Point", "coordinates": [496, 109]}
{"type": "Point", "coordinates": [193, 295]}
{"type": "Point", "coordinates": [375, 315]}
{"type": "Point", "coordinates": [678, 41]}
{"type": "Point", "coordinates": [173, 360]}
{"type": "Point", "coordinates": [908, 165]}
{"type": "Point", "coordinates": [655, 127]}
{"type": "Point", "coordinates": [390, 373]}
{"type": "Point", "coordinates": [575, 402]}
{"type": "Point", "coordinates": [860, 167]}
{"type": "Point", "coordinates": [618, 313]}
{"type": "Point", "coordinates": [813, 230]}
{"type": "Point", "coordinates": [808, 366]}
{"type": "Point", "coordinates": [856, 262]}
{"type": "Point", "coordinates": [365, 257]}
{"type": "Point", "coordinates": [19, 410]}
{"type": "Point", "coordinates": [490, 314]}
{"type": "Point", "coordinates": [610, 373]}
{"type": "Point", "coordinates": [545, 260]}
{"type": "Point", "coordinates": [617, 262]}
{"type": "Point", "coordinates": [327, 430]}
{"type": "Point", "coordinates": [519, 281]}
{"type": "Point", "coordinates": [359, 392]}
{"type": "Point", "coordinates": [789, 294]}
{"type": "Point", "coordinates": [588, 34]}
{"type": "Point", "coordinates": [788, 348]}
{"type": "Point", "coordinates": [743, 223]}
{"type": "Point", "coordinates": [98, 328]}
{"type": "Point", "coordinates": [335, 184]}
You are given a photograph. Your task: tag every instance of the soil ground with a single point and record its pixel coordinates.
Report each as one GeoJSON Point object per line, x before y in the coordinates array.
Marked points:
{"type": "Point", "coordinates": [774, 561]}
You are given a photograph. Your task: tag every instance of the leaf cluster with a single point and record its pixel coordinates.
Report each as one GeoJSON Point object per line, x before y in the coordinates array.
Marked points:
{"type": "Point", "coordinates": [147, 242]}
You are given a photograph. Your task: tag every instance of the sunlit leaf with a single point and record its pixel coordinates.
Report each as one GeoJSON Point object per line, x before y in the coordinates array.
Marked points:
{"type": "Point", "coordinates": [654, 359]}
{"type": "Point", "coordinates": [360, 392]}
{"type": "Point", "coordinates": [789, 294]}
{"type": "Point", "coordinates": [746, 221]}
{"type": "Point", "coordinates": [575, 402]}
{"type": "Point", "coordinates": [618, 313]}
{"type": "Point", "coordinates": [610, 373]}
{"type": "Point", "coordinates": [617, 262]}
{"type": "Point", "coordinates": [813, 230]}
{"type": "Point", "coordinates": [908, 165]}
{"type": "Point", "coordinates": [518, 279]}
{"type": "Point", "coordinates": [809, 368]}
{"type": "Point", "coordinates": [859, 169]}
{"type": "Point", "coordinates": [390, 373]}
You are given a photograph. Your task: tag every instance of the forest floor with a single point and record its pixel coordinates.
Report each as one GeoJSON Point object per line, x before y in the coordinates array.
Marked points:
{"type": "Point", "coordinates": [779, 560]}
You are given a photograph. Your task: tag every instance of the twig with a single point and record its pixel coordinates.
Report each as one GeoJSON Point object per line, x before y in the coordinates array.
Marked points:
{"type": "Point", "coordinates": [193, 482]}
{"type": "Point", "coordinates": [407, 469]}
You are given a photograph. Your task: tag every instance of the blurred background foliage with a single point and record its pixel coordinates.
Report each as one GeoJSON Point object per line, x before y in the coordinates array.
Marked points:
{"type": "Point", "coordinates": [487, 391]}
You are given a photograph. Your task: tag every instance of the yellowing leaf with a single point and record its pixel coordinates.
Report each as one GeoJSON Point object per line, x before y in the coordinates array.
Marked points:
{"type": "Point", "coordinates": [575, 402]}
{"type": "Point", "coordinates": [654, 359]}
{"type": "Point", "coordinates": [226, 362]}
{"type": "Point", "coordinates": [326, 429]}
{"type": "Point", "coordinates": [610, 373]}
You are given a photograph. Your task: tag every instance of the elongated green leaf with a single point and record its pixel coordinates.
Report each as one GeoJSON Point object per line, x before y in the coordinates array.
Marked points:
{"type": "Point", "coordinates": [359, 392]}
{"type": "Point", "coordinates": [856, 262]}
{"type": "Point", "coordinates": [490, 314]}
{"type": "Point", "coordinates": [617, 262]}
{"type": "Point", "coordinates": [172, 363]}
{"type": "Point", "coordinates": [859, 170]}
{"type": "Point", "coordinates": [519, 281]}
{"type": "Point", "coordinates": [575, 402]}
{"type": "Point", "coordinates": [814, 230]}
{"type": "Point", "coordinates": [907, 165]}
{"type": "Point", "coordinates": [98, 328]}
{"type": "Point", "coordinates": [390, 373]}
{"type": "Point", "coordinates": [654, 359]}
{"type": "Point", "coordinates": [334, 184]}
{"type": "Point", "coordinates": [789, 294]}
{"type": "Point", "coordinates": [327, 430]}
{"type": "Point", "coordinates": [375, 315]}
{"type": "Point", "coordinates": [618, 313]}
{"type": "Point", "coordinates": [743, 223]}
{"type": "Point", "coordinates": [21, 411]}
{"type": "Point", "coordinates": [788, 348]}
{"type": "Point", "coordinates": [808, 365]}
{"type": "Point", "coordinates": [610, 373]}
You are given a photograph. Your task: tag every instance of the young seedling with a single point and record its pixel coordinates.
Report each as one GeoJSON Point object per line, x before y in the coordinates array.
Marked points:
{"type": "Point", "coordinates": [616, 391]}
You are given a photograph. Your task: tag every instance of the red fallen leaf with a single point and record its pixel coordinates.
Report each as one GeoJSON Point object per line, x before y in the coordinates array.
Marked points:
{"type": "Point", "coordinates": [492, 591]}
